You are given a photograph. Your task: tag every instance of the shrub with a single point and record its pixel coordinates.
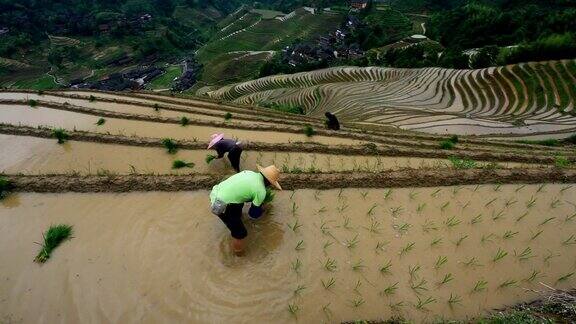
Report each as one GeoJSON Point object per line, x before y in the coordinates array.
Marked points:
{"type": "Point", "coordinates": [210, 158]}
{"type": "Point", "coordinates": [227, 116]}
{"type": "Point", "coordinates": [91, 98]}
{"type": "Point", "coordinates": [61, 135]}
{"type": "Point", "coordinates": [55, 235]}
{"type": "Point", "coordinates": [170, 145]}
{"type": "Point", "coordinates": [40, 92]}
{"type": "Point", "coordinates": [179, 164]}
{"type": "Point", "coordinates": [101, 122]}
{"type": "Point", "coordinates": [561, 162]}
{"type": "Point", "coordinates": [454, 139]}
{"type": "Point", "coordinates": [447, 145]}
{"type": "Point", "coordinates": [458, 163]}
{"type": "Point", "coordinates": [291, 109]}
{"type": "Point", "coordinates": [156, 107]}
{"type": "Point", "coordinates": [184, 121]}
{"type": "Point", "coordinates": [5, 187]}
{"type": "Point", "coordinates": [32, 103]}
{"type": "Point", "coordinates": [309, 131]}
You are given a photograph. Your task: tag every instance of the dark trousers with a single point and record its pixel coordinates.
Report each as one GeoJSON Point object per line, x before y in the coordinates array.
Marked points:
{"type": "Point", "coordinates": [234, 157]}
{"type": "Point", "coordinates": [232, 217]}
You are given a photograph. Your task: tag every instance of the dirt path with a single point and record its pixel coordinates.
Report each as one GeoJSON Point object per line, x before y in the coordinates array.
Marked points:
{"type": "Point", "coordinates": [396, 179]}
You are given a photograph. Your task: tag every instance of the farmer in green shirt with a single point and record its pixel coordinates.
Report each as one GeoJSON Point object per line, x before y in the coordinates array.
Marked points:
{"type": "Point", "coordinates": [228, 197]}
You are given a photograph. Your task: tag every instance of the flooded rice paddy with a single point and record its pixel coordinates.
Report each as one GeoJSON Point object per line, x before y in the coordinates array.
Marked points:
{"type": "Point", "coordinates": [316, 256]}
{"type": "Point", "coordinates": [54, 118]}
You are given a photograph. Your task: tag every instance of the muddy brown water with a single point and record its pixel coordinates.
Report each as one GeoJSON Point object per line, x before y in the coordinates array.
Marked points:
{"type": "Point", "coordinates": [162, 257]}
{"type": "Point", "coordinates": [31, 155]}
{"type": "Point", "coordinates": [40, 116]}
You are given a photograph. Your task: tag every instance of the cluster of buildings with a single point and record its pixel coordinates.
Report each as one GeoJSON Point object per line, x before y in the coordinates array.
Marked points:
{"type": "Point", "coordinates": [123, 22]}
{"type": "Point", "coordinates": [133, 79]}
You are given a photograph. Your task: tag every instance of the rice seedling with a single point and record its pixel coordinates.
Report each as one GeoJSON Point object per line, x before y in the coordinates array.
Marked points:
{"type": "Point", "coordinates": [452, 221]}
{"type": "Point", "coordinates": [346, 223]}
{"type": "Point", "coordinates": [499, 255]}
{"type": "Point", "coordinates": [510, 202]}
{"type": "Point", "coordinates": [293, 309]}
{"type": "Point", "coordinates": [509, 234]}
{"type": "Point", "coordinates": [396, 306]}
{"type": "Point", "coordinates": [330, 265]}
{"type": "Point", "coordinates": [294, 206]}
{"type": "Point", "coordinates": [353, 242]}
{"type": "Point", "coordinates": [472, 262]}
{"type": "Point", "coordinates": [420, 208]}
{"type": "Point", "coordinates": [535, 235]}
{"type": "Point", "coordinates": [299, 245]}
{"type": "Point", "coordinates": [479, 286]}
{"type": "Point", "coordinates": [535, 274]}
{"type": "Point", "coordinates": [520, 187]}
{"type": "Point", "coordinates": [490, 202]}
{"type": "Point", "coordinates": [444, 206]}
{"type": "Point", "coordinates": [435, 193]}
{"type": "Point", "coordinates": [403, 228]}
{"type": "Point", "coordinates": [497, 216]}
{"type": "Point", "coordinates": [412, 195]}
{"type": "Point", "coordinates": [508, 283]}
{"type": "Point", "coordinates": [440, 261]}
{"type": "Point", "coordinates": [184, 121]}
{"type": "Point", "coordinates": [5, 187]}
{"type": "Point", "coordinates": [497, 187]}
{"type": "Point", "coordinates": [477, 219]}
{"type": "Point", "coordinates": [380, 246]}
{"type": "Point", "coordinates": [357, 287]}
{"type": "Point", "coordinates": [91, 98]}
{"type": "Point", "coordinates": [342, 207]}
{"type": "Point", "coordinates": [429, 226]}
{"type": "Point", "coordinates": [521, 217]}
{"type": "Point", "coordinates": [323, 209]}
{"type": "Point", "coordinates": [460, 240]}
{"type": "Point", "coordinates": [385, 269]}
{"type": "Point", "coordinates": [546, 221]}
{"type": "Point", "coordinates": [396, 211]}
{"type": "Point", "coordinates": [32, 103]}
{"type": "Point", "coordinates": [531, 202]}
{"type": "Point", "coordinates": [413, 270]}
{"type": "Point", "coordinates": [317, 195]}
{"type": "Point", "coordinates": [309, 131]}
{"type": "Point", "coordinates": [570, 241]}
{"type": "Point", "coordinates": [387, 194]}
{"type": "Point", "coordinates": [179, 164]}
{"type": "Point", "coordinates": [170, 145]}
{"type": "Point", "coordinates": [418, 286]}
{"type": "Point", "coordinates": [454, 299]}
{"type": "Point", "coordinates": [326, 310]}
{"type": "Point", "coordinates": [209, 158]}
{"type": "Point", "coordinates": [53, 237]}
{"type": "Point", "coordinates": [299, 289]}
{"type": "Point", "coordinates": [563, 189]}
{"type": "Point", "coordinates": [409, 247]}
{"type": "Point", "coordinates": [296, 265]}
{"type": "Point", "coordinates": [549, 256]}
{"type": "Point", "coordinates": [364, 194]}
{"type": "Point", "coordinates": [390, 290]}
{"type": "Point", "coordinates": [541, 188]}
{"type": "Point", "coordinates": [569, 218]}
{"type": "Point", "coordinates": [476, 188]}
{"type": "Point", "coordinates": [328, 284]}
{"type": "Point", "coordinates": [358, 302]}
{"type": "Point", "coordinates": [446, 279]}
{"type": "Point", "coordinates": [436, 242]}
{"type": "Point", "coordinates": [227, 116]}
{"type": "Point", "coordinates": [487, 238]}
{"type": "Point", "coordinates": [423, 303]}
{"type": "Point", "coordinates": [156, 107]}
{"type": "Point", "coordinates": [565, 277]}
{"type": "Point", "coordinates": [461, 164]}
{"type": "Point", "coordinates": [375, 227]}
{"type": "Point", "coordinates": [100, 122]}
{"type": "Point", "coordinates": [358, 266]}
{"type": "Point", "coordinates": [466, 205]}
{"type": "Point", "coordinates": [294, 227]}
{"type": "Point", "coordinates": [370, 211]}
{"type": "Point", "coordinates": [270, 195]}
{"type": "Point", "coordinates": [61, 135]}
{"type": "Point", "coordinates": [555, 203]}
{"type": "Point", "coordinates": [525, 254]}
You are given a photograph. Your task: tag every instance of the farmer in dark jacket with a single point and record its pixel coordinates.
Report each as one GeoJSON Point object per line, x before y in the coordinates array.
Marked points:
{"type": "Point", "coordinates": [331, 121]}
{"type": "Point", "coordinates": [223, 145]}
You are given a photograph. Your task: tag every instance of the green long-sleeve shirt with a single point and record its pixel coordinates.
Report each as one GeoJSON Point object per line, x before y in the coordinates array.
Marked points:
{"type": "Point", "coordinates": [246, 186]}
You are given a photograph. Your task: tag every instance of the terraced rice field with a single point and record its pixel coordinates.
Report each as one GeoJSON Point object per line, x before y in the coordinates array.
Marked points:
{"type": "Point", "coordinates": [372, 224]}
{"type": "Point", "coordinates": [523, 100]}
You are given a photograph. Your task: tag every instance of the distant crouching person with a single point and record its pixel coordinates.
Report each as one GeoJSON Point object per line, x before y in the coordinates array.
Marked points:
{"type": "Point", "coordinates": [223, 145]}
{"type": "Point", "coordinates": [331, 121]}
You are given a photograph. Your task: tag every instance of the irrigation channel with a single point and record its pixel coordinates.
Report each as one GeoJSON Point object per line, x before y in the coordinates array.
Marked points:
{"type": "Point", "coordinates": [373, 223]}
{"type": "Point", "coordinates": [422, 253]}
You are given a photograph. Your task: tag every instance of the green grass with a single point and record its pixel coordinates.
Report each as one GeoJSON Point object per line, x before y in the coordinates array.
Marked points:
{"type": "Point", "coordinates": [447, 145]}
{"type": "Point", "coordinates": [209, 158]}
{"type": "Point", "coordinates": [179, 164]}
{"type": "Point", "coordinates": [458, 163]}
{"type": "Point", "coordinates": [33, 103]}
{"type": "Point", "coordinates": [5, 187]}
{"type": "Point", "coordinates": [165, 80]}
{"type": "Point", "coordinates": [309, 131]}
{"type": "Point", "coordinates": [184, 121]}
{"type": "Point", "coordinates": [227, 116]}
{"type": "Point", "coordinates": [44, 82]}
{"type": "Point", "coordinates": [55, 235]}
{"type": "Point", "coordinates": [61, 135]}
{"type": "Point", "coordinates": [287, 108]}
{"type": "Point", "coordinates": [170, 145]}
{"type": "Point", "coordinates": [561, 162]}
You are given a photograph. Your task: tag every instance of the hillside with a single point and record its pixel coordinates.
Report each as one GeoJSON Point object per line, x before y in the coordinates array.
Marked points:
{"type": "Point", "coordinates": [524, 100]}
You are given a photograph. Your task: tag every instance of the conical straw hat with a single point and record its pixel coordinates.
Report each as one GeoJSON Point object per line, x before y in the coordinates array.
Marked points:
{"type": "Point", "coordinates": [272, 174]}
{"type": "Point", "coordinates": [215, 139]}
